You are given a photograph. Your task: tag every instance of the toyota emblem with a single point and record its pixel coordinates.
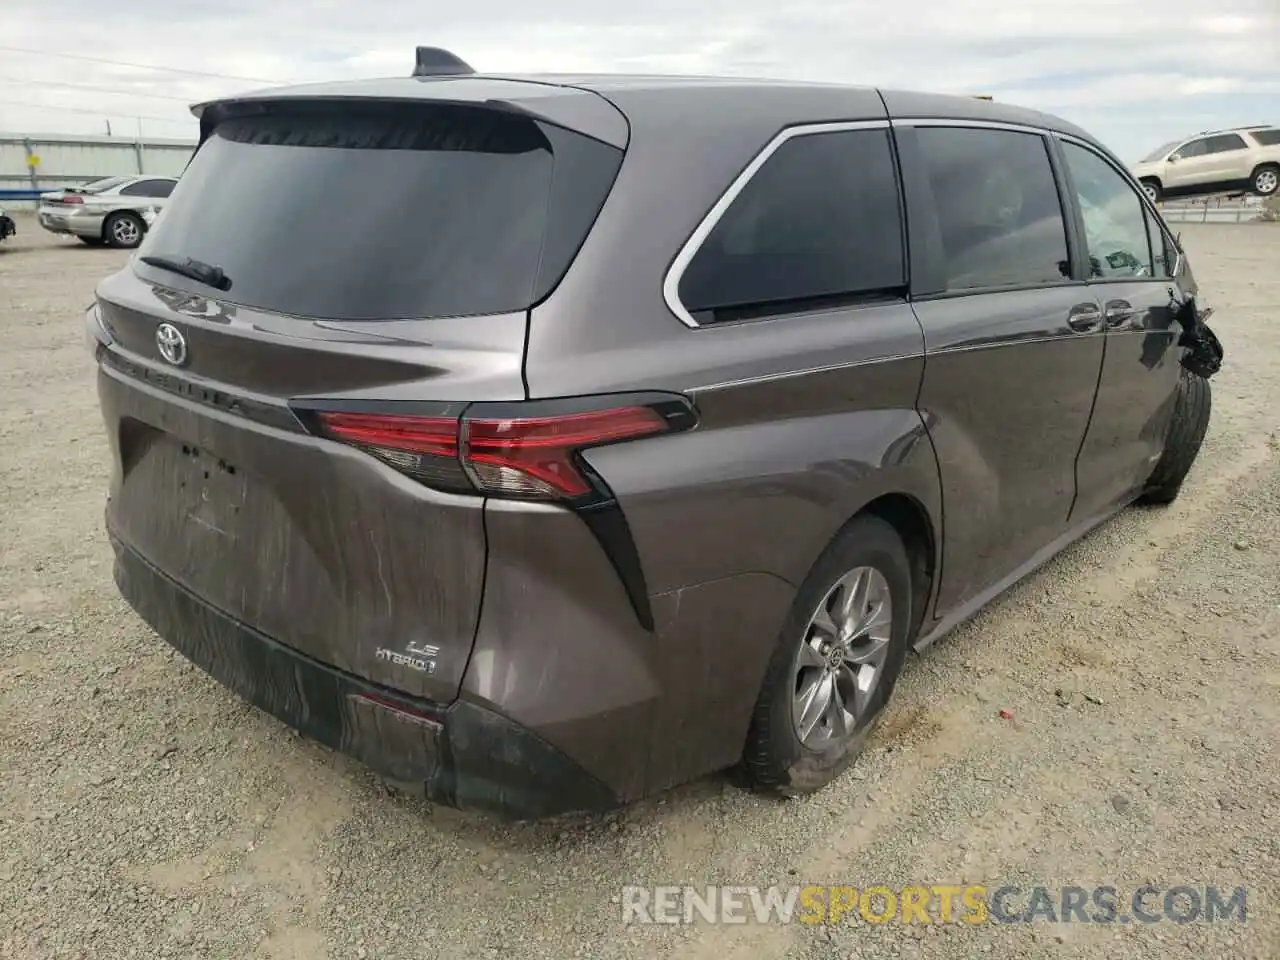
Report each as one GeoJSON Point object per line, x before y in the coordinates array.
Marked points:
{"type": "Point", "coordinates": [172, 344]}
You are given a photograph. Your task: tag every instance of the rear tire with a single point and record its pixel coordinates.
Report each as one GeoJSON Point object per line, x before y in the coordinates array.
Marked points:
{"type": "Point", "coordinates": [776, 758]}
{"type": "Point", "coordinates": [1152, 189]}
{"type": "Point", "coordinates": [124, 230]}
{"type": "Point", "coordinates": [1192, 407]}
{"type": "Point", "coordinates": [1266, 180]}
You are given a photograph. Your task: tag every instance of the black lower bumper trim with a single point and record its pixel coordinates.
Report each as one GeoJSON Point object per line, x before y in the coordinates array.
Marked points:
{"type": "Point", "coordinates": [462, 755]}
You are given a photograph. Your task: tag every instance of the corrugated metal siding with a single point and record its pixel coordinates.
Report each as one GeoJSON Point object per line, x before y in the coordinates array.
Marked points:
{"type": "Point", "coordinates": [68, 160]}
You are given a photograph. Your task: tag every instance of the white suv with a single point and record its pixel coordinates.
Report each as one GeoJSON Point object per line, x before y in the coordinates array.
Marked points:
{"type": "Point", "coordinates": [1246, 158]}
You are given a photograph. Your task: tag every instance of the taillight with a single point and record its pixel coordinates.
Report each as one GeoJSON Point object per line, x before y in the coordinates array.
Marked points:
{"type": "Point", "coordinates": [536, 456]}
{"type": "Point", "coordinates": [72, 198]}
{"type": "Point", "coordinates": [511, 450]}
{"type": "Point", "coordinates": [425, 448]}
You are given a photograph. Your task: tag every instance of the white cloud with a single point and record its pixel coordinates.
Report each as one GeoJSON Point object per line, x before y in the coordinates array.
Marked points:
{"type": "Point", "coordinates": [1133, 72]}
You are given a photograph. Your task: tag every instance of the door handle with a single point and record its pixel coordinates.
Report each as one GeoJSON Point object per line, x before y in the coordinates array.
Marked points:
{"type": "Point", "coordinates": [1118, 312]}
{"type": "Point", "coordinates": [1084, 317]}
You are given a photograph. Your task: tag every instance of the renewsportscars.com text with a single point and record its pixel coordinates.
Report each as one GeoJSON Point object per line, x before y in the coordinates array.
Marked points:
{"type": "Point", "coordinates": [935, 903]}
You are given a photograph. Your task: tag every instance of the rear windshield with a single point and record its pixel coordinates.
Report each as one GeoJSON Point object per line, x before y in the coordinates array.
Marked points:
{"type": "Point", "coordinates": [100, 186]}
{"type": "Point", "coordinates": [384, 211]}
{"type": "Point", "coordinates": [1160, 154]}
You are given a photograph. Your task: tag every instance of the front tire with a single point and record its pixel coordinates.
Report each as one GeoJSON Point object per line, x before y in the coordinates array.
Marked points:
{"type": "Point", "coordinates": [1152, 190]}
{"type": "Point", "coordinates": [123, 231]}
{"type": "Point", "coordinates": [836, 662]}
{"type": "Point", "coordinates": [1192, 407]}
{"type": "Point", "coordinates": [1266, 180]}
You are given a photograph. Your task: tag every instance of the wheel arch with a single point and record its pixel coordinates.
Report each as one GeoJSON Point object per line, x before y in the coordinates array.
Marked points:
{"type": "Point", "coordinates": [909, 517]}
{"type": "Point", "coordinates": [112, 214]}
{"type": "Point", "coordinates": [1264, 165]}
{"type": "Point", "coordinates": [921, 534]}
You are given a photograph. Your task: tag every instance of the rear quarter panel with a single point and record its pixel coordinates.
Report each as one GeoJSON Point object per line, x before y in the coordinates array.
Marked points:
{"type": "Point", "coordinates": [729, 518]}
{"type": "Point", "coordinates": [802, 421]}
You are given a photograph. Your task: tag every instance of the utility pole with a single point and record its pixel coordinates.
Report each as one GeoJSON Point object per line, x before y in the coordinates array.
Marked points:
{"type": "Point", "coordinates": [33, 161]}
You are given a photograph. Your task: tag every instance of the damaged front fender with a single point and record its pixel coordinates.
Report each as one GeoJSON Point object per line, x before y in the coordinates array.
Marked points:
{"type": "Point", "coordinates": [1203, 351]}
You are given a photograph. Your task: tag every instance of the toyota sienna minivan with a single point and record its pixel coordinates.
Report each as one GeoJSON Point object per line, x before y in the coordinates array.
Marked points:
{"type": "Point", "coordinates": [544, 442]}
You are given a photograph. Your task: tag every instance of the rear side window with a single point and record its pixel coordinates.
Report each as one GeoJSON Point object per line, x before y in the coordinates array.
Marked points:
{"type": "Point", "coordinates": [999, 215]}
{"type": "Point", "coordinates": [1115, 222]}
{"type": "Point", "coordinates": [820, 223]}
{"type": "Point", "coordinates": [1268, 138]}
{"type": "Point", "coordinates": [1226, 143]}
{"type": "Point", "coordinates": [148, 188]}
{"type": "Point", "coordinates": [385, 211]}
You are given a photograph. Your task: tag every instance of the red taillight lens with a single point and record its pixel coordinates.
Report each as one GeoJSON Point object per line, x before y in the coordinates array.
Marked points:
{"type": "Point", "coordinates": [425, 448]}
{"type": "Point", "coordinates": [72, 198]}
{"type": "Point", "coordinates": [435, 436]}
{"type": "Point", "coordinates": [533, 457]}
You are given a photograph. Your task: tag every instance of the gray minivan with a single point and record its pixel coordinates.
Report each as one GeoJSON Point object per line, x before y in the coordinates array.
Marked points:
{"type": "Point", "coordinates": [544, 442]}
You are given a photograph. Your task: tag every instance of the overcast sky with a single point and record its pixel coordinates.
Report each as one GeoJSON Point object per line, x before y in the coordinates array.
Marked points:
{"type": "Point", "coordinates": [1134, 72]}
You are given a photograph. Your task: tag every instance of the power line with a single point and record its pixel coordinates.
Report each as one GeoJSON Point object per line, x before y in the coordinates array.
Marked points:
{"type": "Point", "coordinates": [96, 113]}
{"type": "Point", "coordinates": [94, 88]}
{"type": "Point", "coordinates": [136, 66]}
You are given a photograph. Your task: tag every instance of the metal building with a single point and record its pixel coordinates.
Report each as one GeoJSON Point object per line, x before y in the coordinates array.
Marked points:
{"type": "Point", "coordinates": [47, 161]}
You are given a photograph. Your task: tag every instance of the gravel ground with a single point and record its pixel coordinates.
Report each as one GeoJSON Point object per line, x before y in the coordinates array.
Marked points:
{"type": "Point", "coordinates": [146, 812]}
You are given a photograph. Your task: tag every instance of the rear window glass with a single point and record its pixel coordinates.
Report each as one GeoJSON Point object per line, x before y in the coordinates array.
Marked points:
{"type": "Point", "coordinates": [384, 211]}
{"type": "Point", "coordinates": [819, 223]}
{"type": "Point", "coordinates": [101, 186]}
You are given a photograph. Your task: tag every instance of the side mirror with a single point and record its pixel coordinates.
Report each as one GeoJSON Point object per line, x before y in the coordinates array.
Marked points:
{"type": "Point", "coordinates": [1173, 158]}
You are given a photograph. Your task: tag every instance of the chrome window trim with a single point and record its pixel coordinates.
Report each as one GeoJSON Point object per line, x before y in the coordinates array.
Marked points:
{"type": "Point", "coordinates": [671, 283]}
{"type": "Point", "coordinates": [690, 248]}
{"type": "Point", "coordinates": [972, 124]}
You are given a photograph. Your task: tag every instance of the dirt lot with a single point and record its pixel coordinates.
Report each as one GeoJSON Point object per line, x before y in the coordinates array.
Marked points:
{"type": "Point", "coordinates": [145, 812]}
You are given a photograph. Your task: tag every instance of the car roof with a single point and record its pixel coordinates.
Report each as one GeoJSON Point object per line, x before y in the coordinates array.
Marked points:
{"type": "Point", "coordinates": [126, 178]}
{"type": "Point", "coordinates": [649, 98]}
{"type": "Point", "coordinates": [1252, 128]}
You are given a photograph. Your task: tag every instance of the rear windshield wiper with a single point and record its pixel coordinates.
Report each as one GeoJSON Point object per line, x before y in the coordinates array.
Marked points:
{"type": "Point", "coordinates": [205, 273]}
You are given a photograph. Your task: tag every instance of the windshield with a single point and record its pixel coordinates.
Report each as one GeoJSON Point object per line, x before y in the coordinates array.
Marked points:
{"type": "Point", "coordinates": [100, 186]}
{"type": "Point", "coordinates": [383, 211]}
{"type": "Point", "coordinates": [1160, 154]}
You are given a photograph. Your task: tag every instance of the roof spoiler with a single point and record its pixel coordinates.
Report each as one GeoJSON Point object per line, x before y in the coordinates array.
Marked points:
{"type": "Point", "coordinates": [437, 62]}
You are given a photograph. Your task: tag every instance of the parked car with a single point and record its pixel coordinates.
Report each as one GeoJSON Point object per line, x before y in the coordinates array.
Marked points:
{"type": "Point", "coordinates": [646, 428]}
{"type": "Point", "coordinates": [114, 210]}
{"type": "Point", "coordinates": [1242, 159]}
{"type": "Point", "coordinates": [7, 227]}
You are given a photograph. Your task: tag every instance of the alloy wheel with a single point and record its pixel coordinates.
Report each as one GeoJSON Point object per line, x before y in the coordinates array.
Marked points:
{"type": "Point", "coordinates": [1266, 181]}
{"type": "Point", "coordinates": [124, 231]}
{"type": "Point", "coordinates": [841, 658]}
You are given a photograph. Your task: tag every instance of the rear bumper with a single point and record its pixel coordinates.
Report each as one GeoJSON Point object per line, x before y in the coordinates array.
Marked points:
{"type": "Point", "coordinates": [79, 224]}
{"type": "Point", "coordinates": [461, 755]}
